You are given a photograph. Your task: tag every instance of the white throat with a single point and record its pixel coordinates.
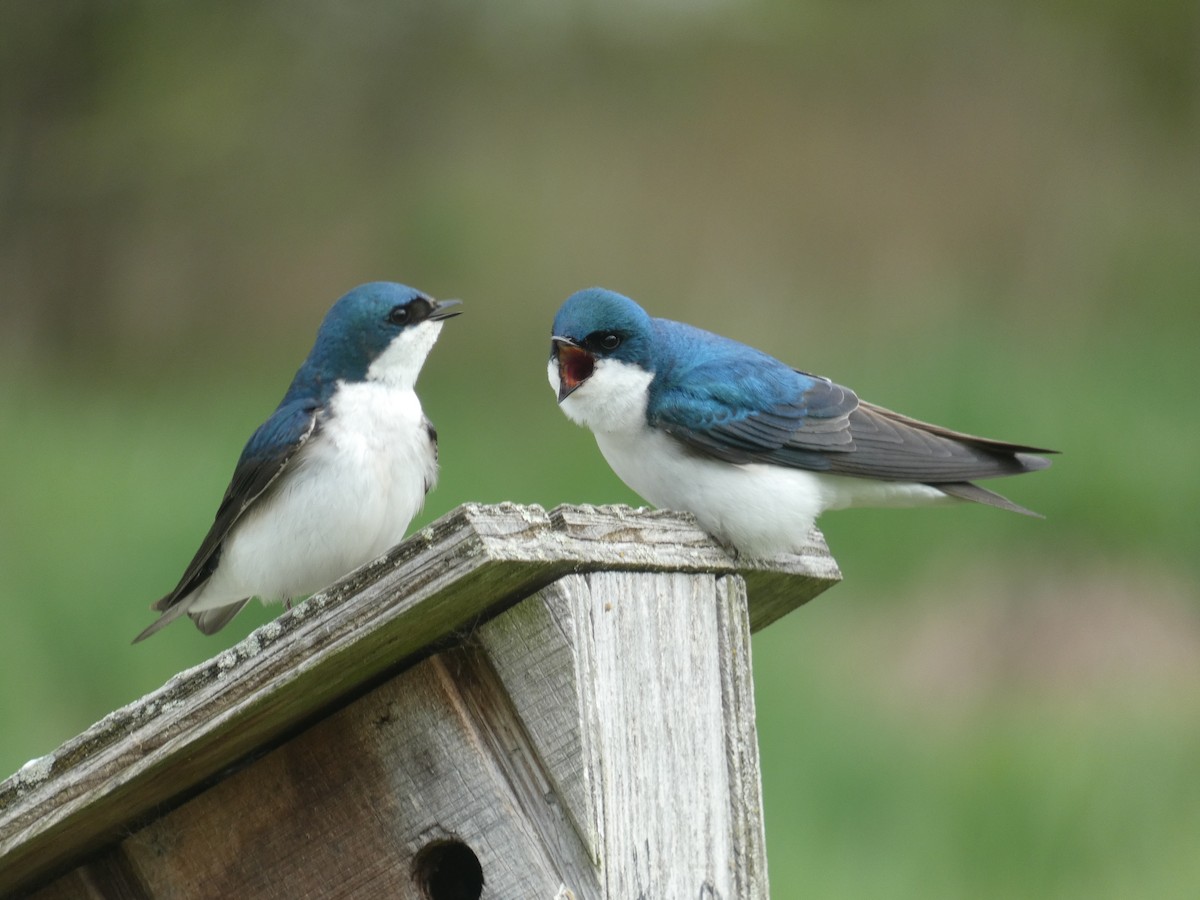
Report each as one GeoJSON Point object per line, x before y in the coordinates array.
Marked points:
{"type": "Point", "coordinates": [613, 399]}
{"type": "Point", "coordinates": [401, 361]}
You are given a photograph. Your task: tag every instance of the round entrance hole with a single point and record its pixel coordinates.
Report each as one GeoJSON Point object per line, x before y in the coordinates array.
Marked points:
{"type": "Point", "coordinates": [448, 870]}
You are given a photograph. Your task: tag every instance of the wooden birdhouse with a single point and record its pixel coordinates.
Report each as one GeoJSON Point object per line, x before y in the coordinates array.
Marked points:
{"type": "Point", "coordinates": [511, 704]}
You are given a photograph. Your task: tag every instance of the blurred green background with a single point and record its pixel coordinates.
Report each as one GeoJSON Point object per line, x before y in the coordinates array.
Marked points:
{"type": "Point", "coordinates": [983, 214]}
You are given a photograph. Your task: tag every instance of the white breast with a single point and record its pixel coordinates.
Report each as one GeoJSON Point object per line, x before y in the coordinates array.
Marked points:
{"type": "Point", "coordinates": [761, 510]}
{"type": "Point", "coordinates": [346, 498]}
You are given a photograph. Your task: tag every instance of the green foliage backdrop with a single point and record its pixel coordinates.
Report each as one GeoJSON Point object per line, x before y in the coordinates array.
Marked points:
{"type": "Point", "coordinates": [986, 215]}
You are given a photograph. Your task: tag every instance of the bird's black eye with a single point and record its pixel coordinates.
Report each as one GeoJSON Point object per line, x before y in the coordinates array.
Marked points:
{"type": "Point", "coordinates": [610, 341]}
{"type": "Point", "coordinates": [411, 313]}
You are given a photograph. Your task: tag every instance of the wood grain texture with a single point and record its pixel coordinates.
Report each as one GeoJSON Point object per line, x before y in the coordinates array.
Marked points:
{"type": "Point", "coordinates": [464, 569]}
{"type": "Point", "coordinates": [534, 650]}
{"type": "Point", "coordinates": [658, 732]}
{"type": "Point", "coordinates": [637, 693]}
{"type": "Point", "coordinates": [344, 809]}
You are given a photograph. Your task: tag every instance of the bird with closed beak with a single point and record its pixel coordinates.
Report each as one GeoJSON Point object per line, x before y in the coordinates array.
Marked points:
{"type": "Point", "coordinates": [333, 477]}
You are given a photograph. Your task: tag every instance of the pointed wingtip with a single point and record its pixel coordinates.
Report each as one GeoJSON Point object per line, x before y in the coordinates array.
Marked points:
{"type": "Point", "coordinates": [1033, 463]}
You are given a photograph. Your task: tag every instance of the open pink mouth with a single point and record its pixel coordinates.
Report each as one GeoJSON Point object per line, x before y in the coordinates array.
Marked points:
{"type": "Point", "coordinates": [575, 366]}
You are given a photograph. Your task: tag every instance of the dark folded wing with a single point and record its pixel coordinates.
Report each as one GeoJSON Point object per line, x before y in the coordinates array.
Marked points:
{"type": "Point", "coordinates": [747, 418]}
{"type": "Point", "coordinates": [893, 447]}
{"type": "Point", "coordinates": [264, 458]}
{"type": "Point", "coordinates": [823, 427]}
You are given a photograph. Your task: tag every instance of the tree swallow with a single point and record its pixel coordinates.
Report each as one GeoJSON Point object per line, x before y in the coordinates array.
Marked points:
{"type": "Point", "coordinates": [332, 479]}
{"type": "Point", "coordinates": [753, 448]}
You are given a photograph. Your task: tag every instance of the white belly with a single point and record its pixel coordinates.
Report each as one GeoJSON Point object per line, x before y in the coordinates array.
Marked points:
{"type": "Point", "coordinates": [761, 510]}
{"type": "Point", "coordinates": [343, 501]}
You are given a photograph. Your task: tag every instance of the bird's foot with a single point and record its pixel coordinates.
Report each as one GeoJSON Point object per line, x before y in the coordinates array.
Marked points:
{"type": "Point", "coordinates": [734, 553]}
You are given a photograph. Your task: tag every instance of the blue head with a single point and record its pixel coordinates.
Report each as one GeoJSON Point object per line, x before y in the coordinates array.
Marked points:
{"type": "Point", "coordinates": [595, 326]}
{"type": "Point", "coordinates": [379, 331]}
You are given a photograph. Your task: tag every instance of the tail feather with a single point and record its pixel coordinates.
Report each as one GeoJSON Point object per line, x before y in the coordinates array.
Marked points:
{"type": "Point", "coordinates": [210, 621]}
{"type": "Point", "coordinates": [966, 490]}
{"type": "Point", "coordinates": [170, 614]}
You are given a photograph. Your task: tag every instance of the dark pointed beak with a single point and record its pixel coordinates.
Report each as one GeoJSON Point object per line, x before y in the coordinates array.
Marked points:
{"type": "Point", "coordinates": [575, 365]}
{"type": "Point", "coordinates": [443, 309]}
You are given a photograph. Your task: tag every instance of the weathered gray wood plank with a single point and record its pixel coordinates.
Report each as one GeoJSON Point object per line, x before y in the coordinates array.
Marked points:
{"type": "Point", "coordinates": [677, 544]}
{"type": "Point", "coordinates": [749, 839]}
{"type": "Point", "coordinates": [534, 649]}
{"type": "Point", "coordinates": [637, 692]}
{"type": "Point", "coordinates": [344, 809]}
{"type": "Point", "coordinates": [657, 724]}
{"type": "Point", "coordinates": [463, 569]}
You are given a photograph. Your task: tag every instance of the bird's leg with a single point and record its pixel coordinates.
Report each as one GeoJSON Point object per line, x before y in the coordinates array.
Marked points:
{"type": "Point", "coordinates": [287, 603]}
